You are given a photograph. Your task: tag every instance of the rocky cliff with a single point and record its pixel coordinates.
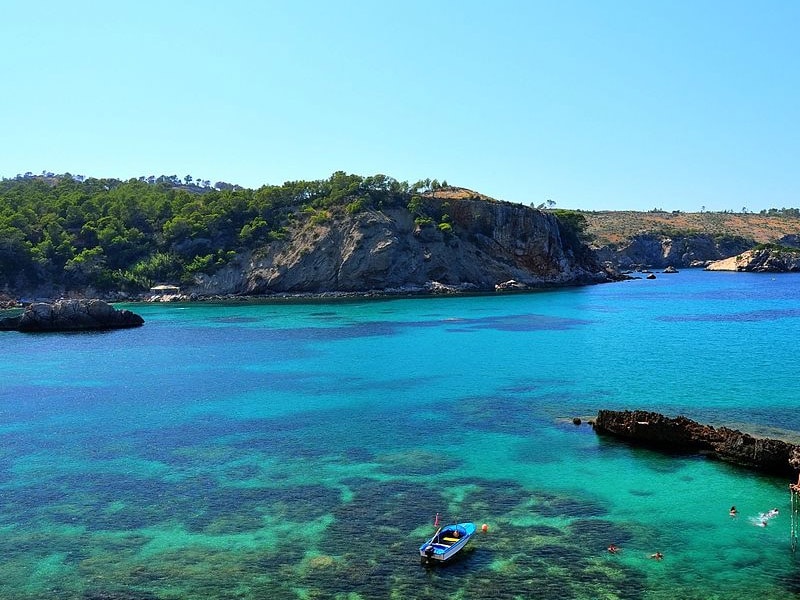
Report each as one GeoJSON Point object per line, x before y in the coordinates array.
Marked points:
{"type": "Point", "coordinates": [761, 260]}
{"type": "Point", "coordinates": [463, 244]}
{"type": "Point", "coordinates": [684, 435]}
{"type": "Point", "coordinates": [659, 251]}
{"type": "Point", "coordinates": [657, 239]}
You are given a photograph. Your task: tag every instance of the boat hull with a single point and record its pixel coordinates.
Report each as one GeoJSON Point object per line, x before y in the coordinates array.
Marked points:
{"type": "Point", "coordinates": [447, 542]}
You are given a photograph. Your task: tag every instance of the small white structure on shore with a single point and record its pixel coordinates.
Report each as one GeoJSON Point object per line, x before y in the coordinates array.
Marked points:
{"type": "Point", "coordinates": [165, 290]}
{"type": "Point", "coordinates": [165, 293]}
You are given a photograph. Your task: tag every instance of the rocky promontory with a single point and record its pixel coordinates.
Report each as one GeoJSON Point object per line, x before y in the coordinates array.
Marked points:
{"type": "Point", "coordinates": [478, 246]}
{"type": "Point", "coordinates": [70, 315]}
{"type": "Point", "coordinates": [761, 260]}
{"type": "Point", "coordinates": [681, 434]}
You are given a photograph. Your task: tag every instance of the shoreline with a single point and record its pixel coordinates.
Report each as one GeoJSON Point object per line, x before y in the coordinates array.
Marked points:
{"type": "Point", "coordinates": [435, 291]}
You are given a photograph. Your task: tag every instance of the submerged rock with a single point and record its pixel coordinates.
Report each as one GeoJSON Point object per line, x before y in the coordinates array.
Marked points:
{"type": "Point", "coordinates": [682, 434]}
{"type": "Point", "coordinates": [71, 315]}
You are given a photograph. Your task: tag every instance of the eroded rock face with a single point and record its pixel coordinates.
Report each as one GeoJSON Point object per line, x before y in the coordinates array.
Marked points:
{"type": "Point", "coordinates": [684, 435]}
{"type": "Point", "coordinates": [485, 244]}
{"type": "Point", "coordinates": [659, 251]}
{"type": "Point", "coordinates": [71, 315]}
{"type": "Point", "coordinates": [760, 261]}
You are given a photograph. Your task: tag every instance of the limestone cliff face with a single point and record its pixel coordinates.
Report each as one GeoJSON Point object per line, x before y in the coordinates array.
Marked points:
{"type": "Point", "coordinates": [660, 251]}
{"type": "Point", "coordinates": [760, 261]}
{"type": "Point", "coordinates": [486, 244]}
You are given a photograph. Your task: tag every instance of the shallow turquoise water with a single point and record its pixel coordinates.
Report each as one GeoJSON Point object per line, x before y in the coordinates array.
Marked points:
{"type": "Point", "coordinates": [301, 450]}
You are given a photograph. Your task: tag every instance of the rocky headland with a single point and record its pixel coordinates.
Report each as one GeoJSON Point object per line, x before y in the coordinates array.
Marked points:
{"type": "Point", "coordinates": [761, 260]}
{"type": "Point", "coordinates": [681, 434]}
{"type": "Point", "coordinates": [370, 241]}
{"type": "Point", "coordinates": [70, 315]}
{"type": "Point", "coordinates": [487, 246]}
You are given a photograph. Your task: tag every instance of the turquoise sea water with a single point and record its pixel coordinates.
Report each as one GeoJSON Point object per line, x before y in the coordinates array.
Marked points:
{"type": "Point", "coordinates": [302, 450]}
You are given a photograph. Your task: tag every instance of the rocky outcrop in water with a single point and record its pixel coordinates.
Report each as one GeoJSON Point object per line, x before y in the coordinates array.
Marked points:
{"type": "Point", "coordinates": [71, 315]}
{"type": "Point", "coordinates": [681, 434]}
{"type": "Point", "coordinates": [467, 245]}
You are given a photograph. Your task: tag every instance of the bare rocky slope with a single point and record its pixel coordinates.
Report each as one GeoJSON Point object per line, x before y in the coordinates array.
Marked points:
{"type": "Point", "coordinates": [761, 260]}
{"type": "Point", "coordinates": [481, 245]}
{"type": "Point", "coordinates": [660, 239]}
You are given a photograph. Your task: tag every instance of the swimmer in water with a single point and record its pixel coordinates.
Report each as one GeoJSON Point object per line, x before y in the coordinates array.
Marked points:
{"type": "Point", "coordinates": [732, 511]}
{"type": "Point", "coordinates": [759, 521]}
{"type": "Point", "coordinates": [768, 515]}
{"type": "Point", "coordinates": [613, 549]}
{"type": "Point", "coordinates": [657, 556]}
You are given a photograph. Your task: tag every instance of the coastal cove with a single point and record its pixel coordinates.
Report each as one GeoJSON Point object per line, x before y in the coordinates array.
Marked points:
{"type": "Point", "coordinates": [301, 450]}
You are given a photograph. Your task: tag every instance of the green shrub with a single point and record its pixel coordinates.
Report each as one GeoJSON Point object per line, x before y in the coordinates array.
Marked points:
{"type": "Point", "coordinates": [355, 206]}
{"type": "Point", "coordinates": [320, 217]}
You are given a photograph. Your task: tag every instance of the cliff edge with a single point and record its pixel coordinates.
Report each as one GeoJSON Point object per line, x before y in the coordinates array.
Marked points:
{"type": "Point", "coordinates": [658, 239]}
{"type": "Point", "coordinates": [459, 245]}
{"type": "Point", "coordinates": [761, 260]}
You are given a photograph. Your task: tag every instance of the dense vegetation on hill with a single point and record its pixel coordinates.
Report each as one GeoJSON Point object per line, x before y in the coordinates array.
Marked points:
{"type": "Point", "coordinates": [65, 231]}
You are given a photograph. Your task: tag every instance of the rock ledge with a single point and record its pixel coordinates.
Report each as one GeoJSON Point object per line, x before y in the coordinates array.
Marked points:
{"type": "Point", "coordinates": [71, 315]}
{"type": "Point", "coordinates": [684, 435]}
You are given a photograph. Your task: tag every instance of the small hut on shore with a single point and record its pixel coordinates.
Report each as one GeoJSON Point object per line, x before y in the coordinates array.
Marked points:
{"type": "Point", "coordinates": [165, 290]}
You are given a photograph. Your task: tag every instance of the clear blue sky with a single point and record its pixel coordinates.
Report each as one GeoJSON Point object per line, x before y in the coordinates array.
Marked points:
{"type": "Point", "coordinates": [597, 104]}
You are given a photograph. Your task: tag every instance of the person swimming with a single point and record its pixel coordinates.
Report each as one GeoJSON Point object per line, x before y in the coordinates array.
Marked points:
{"type": "Point", "coordinates": [766, 516]}
{"type": "Point", "coordinates": [613, 549]}
{"type": "Point", "coordinates": [732, 512]}
{"type": "Point", "coordinates": [657, 555]}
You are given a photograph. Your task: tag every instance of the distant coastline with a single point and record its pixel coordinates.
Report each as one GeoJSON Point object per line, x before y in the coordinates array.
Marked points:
{"type": "Point", "coordinates": [346, 236]}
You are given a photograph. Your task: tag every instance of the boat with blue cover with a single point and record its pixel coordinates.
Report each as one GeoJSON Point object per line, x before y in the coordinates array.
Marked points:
{"type": "Point", "coordinates": [447, 542]}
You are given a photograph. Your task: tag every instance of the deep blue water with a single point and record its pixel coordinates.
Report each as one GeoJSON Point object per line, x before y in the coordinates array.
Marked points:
{"type": "Point", "coordinates": [301, 450]}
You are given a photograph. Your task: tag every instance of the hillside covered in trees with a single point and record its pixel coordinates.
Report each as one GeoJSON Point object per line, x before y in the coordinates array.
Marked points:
{"type": "Point", "coordinates": [60, 233]}
{"type": "Point", "coordinates": [70, 232]}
